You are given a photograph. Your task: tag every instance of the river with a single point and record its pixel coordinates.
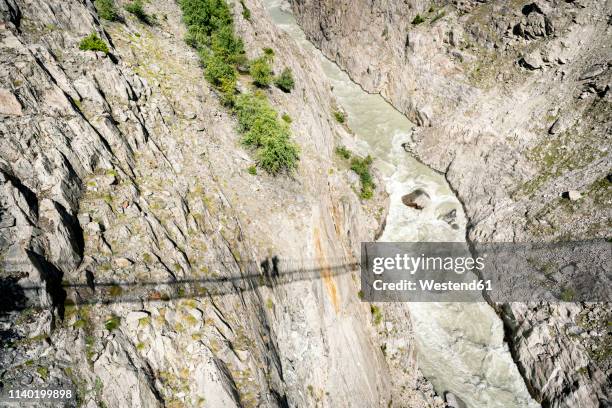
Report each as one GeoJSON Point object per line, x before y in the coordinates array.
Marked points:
{"type": "Point", "coordinates": [460, 346]}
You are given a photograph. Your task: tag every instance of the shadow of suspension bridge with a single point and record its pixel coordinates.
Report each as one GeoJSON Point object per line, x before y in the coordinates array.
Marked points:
{"type": "Point", "coordinates": [272, 272]}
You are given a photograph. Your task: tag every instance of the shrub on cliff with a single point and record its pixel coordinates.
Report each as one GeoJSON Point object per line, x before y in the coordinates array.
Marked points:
{"type": "Point", "coordinates": [261, 72]}
{"type": "Point", "coordinates": [93, 43]}
{"type": "Point", "coordinates": [362, 168]}
{"type": "Point", "coordinates": [343, 152]}
{"type": "Point", "coordinates": [339, 116]}
{"type": "Point", "coordinates": [418, 20]}
{"type": "Point", "coordinates": [285, 81]}
{"type": "Point", "coordinates": [106, 9]}
{"type": "Point", "coordinates": [210, 30]}
{"type": "Point", "coordinates": [221, 74]}
{"type": "Point", "coordinates": [225, 44]}
{"type": "Point", "coordinates": [136, 8]}
{"type": "Point", "coordinates": [262, 130]}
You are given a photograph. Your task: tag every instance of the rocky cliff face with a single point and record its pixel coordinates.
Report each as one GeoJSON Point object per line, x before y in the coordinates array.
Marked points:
{"type": "Point", "coordinates": [514, 103]}
{"type": "Point", "coordinates": [133, 238]}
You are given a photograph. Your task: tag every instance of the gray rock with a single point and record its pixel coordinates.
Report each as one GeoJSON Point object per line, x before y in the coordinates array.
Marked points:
{"type": "Point", "coordinates": [9, 105]}
{"type": "Point", "coordinates": [452, 401]}
{"type": "Point", "coordinates": [417, 199]}
{"type": "Point", "coordinates": [532, 61]}
{"type": "Point", "coordinates": [450, 217]}
{"type": "Point", "coordinates": [593, 72]}
{"type": "Point", "coordinates": [572, 195]}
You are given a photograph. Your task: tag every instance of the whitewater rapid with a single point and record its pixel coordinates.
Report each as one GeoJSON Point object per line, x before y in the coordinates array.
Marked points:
{"type": "Point", "coordinates": [460, 345]}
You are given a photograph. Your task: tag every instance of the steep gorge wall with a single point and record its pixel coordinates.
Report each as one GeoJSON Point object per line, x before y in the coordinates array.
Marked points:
{"type": "Point", "coordinates": [514, 106]}
{"type": "Point", "coordinates": [127, 205]}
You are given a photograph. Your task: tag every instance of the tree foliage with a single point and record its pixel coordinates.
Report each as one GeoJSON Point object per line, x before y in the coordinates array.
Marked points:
{"type": "Point", "coordinates": [263, 130]}
{"type": "Point", "coordinates": [93, 43]}
{"type": "Point", "coordinates": [106, 9]}
{"type": "Point", "coordinates": [136, 8]}
{"type": "Point", "coordinates": [210, 30]}
{"type": "Point", "coordinates": [285, 81]}
{"type": "Point", "coordinates": [261, 72]}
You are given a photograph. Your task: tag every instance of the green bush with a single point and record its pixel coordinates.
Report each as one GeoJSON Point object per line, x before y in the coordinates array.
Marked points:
{"type": "Point", "coordinates": [136, 8]}
{"type": "Point", "coordinates": [287, 118]}
{"type": "Point", "coordinates": [106, 9]}
{"type": "Point", "coordinates": [252, 170]}
{"type": "Point", "coordinates": [340, 117]}
{"type": "Point", "coordinates": [224, 43]}
{"type": "Point", "coordinates": [418, 20]}
{"type": "Point", "coordinates": [221, 74]}
{"type": "Point", "coordinates": [343, 152]}
{"type": "Point", "coordinates": [112, 323]}
{"type": "Point", "coordinates": [93, 43]}
{"type": "Point", "coordinates": [210, 30]}
{"type": "Point", "coordinates": [362, 168]}
{"type": "Point", "coordinates": [376, 314]}
{"type": "Point", "coordinates": [261, 72]}
{"type": "Point", "coordinates": [262, 130]}
{"type": "Point", "coordinates": [278, 153]}
{"type": "Point", "coordinates": [285, 81]}
{"type": "Point", "coordinates": [206, 16]}
{"type": "Point", "coordinates": [269, 52]}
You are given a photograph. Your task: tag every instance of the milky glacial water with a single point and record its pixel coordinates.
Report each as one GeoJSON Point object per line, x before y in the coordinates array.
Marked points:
{"type": "Point", "coordinates": [460, 345]}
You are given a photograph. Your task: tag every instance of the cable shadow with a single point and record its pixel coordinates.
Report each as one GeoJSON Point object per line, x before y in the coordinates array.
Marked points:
{"type": "Point", "coordinates": [267, 273]}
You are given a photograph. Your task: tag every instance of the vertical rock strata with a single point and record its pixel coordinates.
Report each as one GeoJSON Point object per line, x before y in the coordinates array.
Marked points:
{"type": "Point", "coordinates": [122, 178]}
{"type": "Point", "coordinates": [514, 106]}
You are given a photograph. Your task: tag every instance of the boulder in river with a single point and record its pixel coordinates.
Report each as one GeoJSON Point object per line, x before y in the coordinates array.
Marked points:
{"type": "Point", "coordinates": [417, 199]}
{"type": "Point", "coordinates": [452, 401]}
{"type": "Point", "coordinates": [572, 195]}
{"type": "Point", "coordinates": [450, 217]}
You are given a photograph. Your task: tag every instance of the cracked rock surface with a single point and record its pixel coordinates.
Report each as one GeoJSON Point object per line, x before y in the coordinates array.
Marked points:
{"type": "Point", "coordinates": [132, 234]}
{"type": "Point", "coordinates": [514, 105]}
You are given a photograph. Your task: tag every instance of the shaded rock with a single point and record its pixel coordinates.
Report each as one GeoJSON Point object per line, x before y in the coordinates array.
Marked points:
{"type": "Point", "coordinates": [572, 195]}
{"type": "Point", "coordinates": [122, 262]}
{"type": "Point", "coordinates": [450, 217]}
{"type": "Point", "coordinates": [7, 221]}
{"type": "Point", "coordinates": [561, 124]}
{"type": "Point", "coordinates": [417, 199]}
{"type": "Point", "coordinates": [531, 61]}
{"type": "Point", "coordinates": [554, 129]}
{"type": "Point", "coordinates": [453, 401]}
{"type": "Point", "coordinates": [592, 72]}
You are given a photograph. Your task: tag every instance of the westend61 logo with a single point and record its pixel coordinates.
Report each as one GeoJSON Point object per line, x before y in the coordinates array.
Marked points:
{"type": "Point", "coordinates": [497, 272]}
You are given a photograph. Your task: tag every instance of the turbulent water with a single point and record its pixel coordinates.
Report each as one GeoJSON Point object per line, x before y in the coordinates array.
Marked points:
{"type": "Point", "coordinates": [460, 345]}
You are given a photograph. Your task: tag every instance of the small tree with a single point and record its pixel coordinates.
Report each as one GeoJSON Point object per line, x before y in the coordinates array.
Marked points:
{"type": "Point", "coordinates": [93, 43]}
{"type": "Point", "coordinates": [418, 20]}
{"type": "Point", "coordinates": [222, 75]}
{"type": "Point", "coordinates": [340, 117]}
{"type": "Point", "coordinates": [136, 8]}
{"type": "Point", "coordinates": [106, 9]}
{"type": "Point", "coordinates": [285, 81]}
{"type": "Point", "coordinates": [261, 72]}
{"type": "Point", "coordinates": [362, 168]}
